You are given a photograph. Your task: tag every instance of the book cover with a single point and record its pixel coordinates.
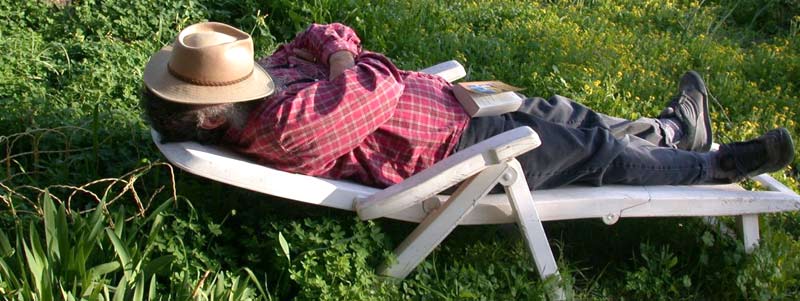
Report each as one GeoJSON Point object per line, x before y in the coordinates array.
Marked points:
{"type": "Point", "coordinates": [487, 98]}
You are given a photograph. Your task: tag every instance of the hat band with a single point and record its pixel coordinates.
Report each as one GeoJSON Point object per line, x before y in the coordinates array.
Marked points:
{"type": "Point", "coordinates": [201, 82]}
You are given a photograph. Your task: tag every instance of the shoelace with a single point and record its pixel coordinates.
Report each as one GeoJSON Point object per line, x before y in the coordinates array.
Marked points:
{"type": "Point", "coordinates": [685, 103]}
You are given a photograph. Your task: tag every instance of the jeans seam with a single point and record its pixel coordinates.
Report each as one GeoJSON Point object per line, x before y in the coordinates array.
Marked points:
{"type": "Point", "coordinates": [567, 172]}
{"type": "Point", "coordinates": [627, 165]}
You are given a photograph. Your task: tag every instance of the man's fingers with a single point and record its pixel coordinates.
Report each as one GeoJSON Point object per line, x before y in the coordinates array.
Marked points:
{"type": "Point", "coordinates": [339, 62]}
{"type": "Point", "coordinates": [304, 54]}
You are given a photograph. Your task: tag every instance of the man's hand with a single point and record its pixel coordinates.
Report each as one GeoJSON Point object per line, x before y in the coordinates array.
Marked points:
{"type": "Point", "coordinates": [304, 55]}
{"type": "Point", "coordinates": [339, 62]}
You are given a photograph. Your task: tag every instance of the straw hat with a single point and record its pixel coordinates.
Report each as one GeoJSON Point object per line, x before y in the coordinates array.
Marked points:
{"type": "Point", "coordinates": [209, 63]}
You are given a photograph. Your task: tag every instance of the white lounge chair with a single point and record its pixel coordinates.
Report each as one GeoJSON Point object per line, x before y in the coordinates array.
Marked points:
{"type": "Point", "coordinates": [478, 169]}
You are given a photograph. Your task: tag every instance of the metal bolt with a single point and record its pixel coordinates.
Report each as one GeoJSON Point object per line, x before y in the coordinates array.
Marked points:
{"type": "Point", "coordinates": [610, 219]}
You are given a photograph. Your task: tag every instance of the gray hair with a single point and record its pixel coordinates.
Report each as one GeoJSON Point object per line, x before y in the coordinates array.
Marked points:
{"type": "Point", "coordinates": [178, 122]}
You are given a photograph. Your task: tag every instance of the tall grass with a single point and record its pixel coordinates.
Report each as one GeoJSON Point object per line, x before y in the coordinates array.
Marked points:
{"type": "Point", "coordinates": [89, 211]}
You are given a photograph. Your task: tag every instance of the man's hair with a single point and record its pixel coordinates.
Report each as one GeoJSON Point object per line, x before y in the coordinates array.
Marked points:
{"type": "Point", "coordinates": [178, 122]}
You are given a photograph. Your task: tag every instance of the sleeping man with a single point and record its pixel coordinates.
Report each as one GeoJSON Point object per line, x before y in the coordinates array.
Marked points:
{"type": "Point", "coordinates": [322, 106]}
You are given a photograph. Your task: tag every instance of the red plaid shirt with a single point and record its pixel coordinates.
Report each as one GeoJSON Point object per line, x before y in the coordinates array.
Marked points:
{"type": "Point", "coordinates": [374, 124]}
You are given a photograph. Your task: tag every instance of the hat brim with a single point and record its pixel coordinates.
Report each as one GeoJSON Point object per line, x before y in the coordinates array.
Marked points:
{"type": "Point", "coordinates": [163, 84]}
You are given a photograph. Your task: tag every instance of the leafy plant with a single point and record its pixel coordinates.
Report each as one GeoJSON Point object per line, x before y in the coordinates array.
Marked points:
{"type": "Point", "coordinates": [655, 278]}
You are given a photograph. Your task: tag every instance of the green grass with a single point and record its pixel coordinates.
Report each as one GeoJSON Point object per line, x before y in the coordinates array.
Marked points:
{"type": "Point", "coordinates": [89, 211]}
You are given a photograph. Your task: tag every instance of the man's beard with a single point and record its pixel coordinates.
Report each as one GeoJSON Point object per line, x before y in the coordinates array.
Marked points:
{"type": "Point", "coordinates": [238, 113]}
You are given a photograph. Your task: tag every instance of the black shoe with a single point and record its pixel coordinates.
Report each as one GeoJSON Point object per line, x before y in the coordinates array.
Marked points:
{"type": "Point", "coordinates": [768, 153]}
{"type": "Point", "coordinates": [690, 107]}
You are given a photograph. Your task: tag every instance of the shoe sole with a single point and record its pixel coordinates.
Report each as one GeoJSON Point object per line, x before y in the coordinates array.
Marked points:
{"type": "Point", "coordinates": [782, 152]}
{"type": "Point", "coordinates": [786, 149]}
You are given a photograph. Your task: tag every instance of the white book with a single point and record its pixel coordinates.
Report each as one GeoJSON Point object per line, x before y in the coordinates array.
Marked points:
{"type": "Point", "coordinates": [449, 70]}
{"type": "Point", "coordinates": [487, 98]}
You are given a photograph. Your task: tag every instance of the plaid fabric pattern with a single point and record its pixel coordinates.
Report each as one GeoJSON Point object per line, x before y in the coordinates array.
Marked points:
{"type": "Point", "coordinates": [374, 124]}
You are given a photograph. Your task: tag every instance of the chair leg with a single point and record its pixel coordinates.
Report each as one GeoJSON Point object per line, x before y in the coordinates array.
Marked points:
{"type": "Point", "coordinates": [438, 224]}
{"type": "Point", "coordinates": [748, 226]}
{"type": "Point", "coordinates": [531, 226]}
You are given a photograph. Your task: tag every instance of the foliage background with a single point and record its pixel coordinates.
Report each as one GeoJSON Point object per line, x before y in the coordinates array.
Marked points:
{"type": "Point", "coordinates": [81, 177]}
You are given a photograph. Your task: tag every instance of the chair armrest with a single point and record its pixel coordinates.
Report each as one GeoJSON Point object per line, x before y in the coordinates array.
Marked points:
{"type": "Point", "coordinates": [450, 70]}
{"type": "Point", "coordinates": [448, 172]}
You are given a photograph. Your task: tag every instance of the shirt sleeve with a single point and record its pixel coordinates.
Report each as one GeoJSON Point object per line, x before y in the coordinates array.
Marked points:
{"type": "Point", "coordinates": [315, 124]}
{"type": "Point", "coordinates": [324, 40]}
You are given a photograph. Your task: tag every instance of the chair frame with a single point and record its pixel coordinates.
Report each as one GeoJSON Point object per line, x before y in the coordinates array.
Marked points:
{"type": "Point", "coordinates": [476, 170]}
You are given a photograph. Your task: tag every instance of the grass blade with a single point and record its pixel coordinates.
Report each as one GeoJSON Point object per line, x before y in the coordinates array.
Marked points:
{"type": "Point", "coordinates": [284, 246]}
{"type": "Point", "coordinates": [34, 259]}
{"type": "Point", "coordinates": [5, 247]}
{"type": "Point", "coordinates": [50, 227]}
{"type": "Point", "coordinates": [103, 269]}
{"type": "Point", "coordinates": [151, 294]}
{"type": "Point", "coordinates": [122, 287]}
{"type": "Point", "coordinates": [254, 279]}
{"type": "Point", "coordinates": [138, 293]}
{"type": "Point", "coordinates": [8, 275]}
{"type": "Point", "coordinates": [122, 251]}
{"type": "Point", "coordinates": [97, 221]}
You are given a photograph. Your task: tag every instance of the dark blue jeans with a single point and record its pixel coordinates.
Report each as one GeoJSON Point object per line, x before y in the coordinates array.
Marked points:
{"type": "Point", "coordinates": [580, 146]}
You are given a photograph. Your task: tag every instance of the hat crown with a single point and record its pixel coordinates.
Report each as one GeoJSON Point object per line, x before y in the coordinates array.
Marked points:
{"type": "Point", "coordinates": [212, 54]}
{"type": "Point", "coordinates": [206, 39]}
{"type": "Point", "coordinates": [207, 63]}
